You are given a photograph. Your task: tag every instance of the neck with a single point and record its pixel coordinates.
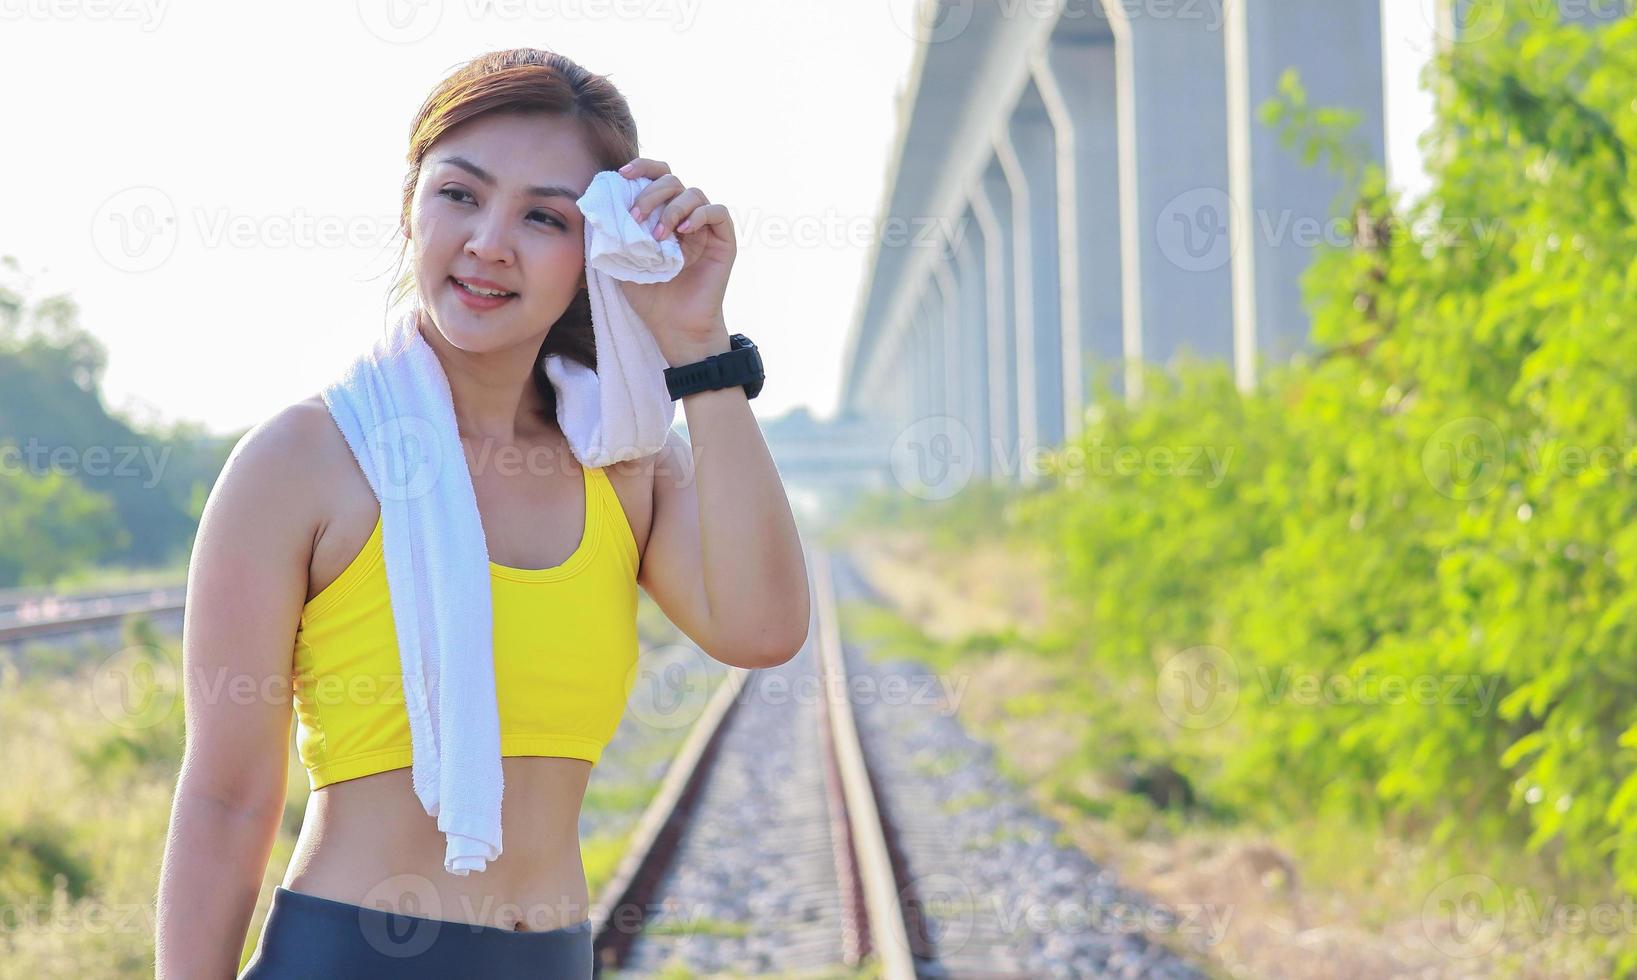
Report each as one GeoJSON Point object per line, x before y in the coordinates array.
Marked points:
{"type": "Point", "coordinates": [494, 396]}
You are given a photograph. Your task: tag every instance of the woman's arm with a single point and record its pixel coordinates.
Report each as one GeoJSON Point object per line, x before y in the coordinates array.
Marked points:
{"type": "Point", "coordinates": [724, 560]}
{"type": "Point", "coordinates": [247, 582]}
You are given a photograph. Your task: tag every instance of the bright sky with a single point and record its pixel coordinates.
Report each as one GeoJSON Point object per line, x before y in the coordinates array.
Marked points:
{"type": "Point", "coordinates": [258, 152]}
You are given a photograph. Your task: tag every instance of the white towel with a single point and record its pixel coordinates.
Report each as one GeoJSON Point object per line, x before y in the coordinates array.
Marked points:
{"type": "Point", "coordinates": [393, 405]}
{"type": "Point", "coordinates": [617, 412]}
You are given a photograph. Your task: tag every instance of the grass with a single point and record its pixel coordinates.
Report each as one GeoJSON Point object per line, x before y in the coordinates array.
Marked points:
{"type": "Point", "coordinates": [84, 820]}
{"type": "Point", "coordinates": [1305, 895]}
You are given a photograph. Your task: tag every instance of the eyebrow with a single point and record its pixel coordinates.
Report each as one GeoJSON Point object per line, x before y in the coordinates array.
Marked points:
{"type": "Point", "coordinates": [547, 190]}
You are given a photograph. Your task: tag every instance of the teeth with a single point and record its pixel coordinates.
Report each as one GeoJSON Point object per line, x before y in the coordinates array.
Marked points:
{"type": "Point", "coordinates": [478, 291]}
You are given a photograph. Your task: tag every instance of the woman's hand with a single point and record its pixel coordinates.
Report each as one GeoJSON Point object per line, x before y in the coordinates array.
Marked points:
{"type": "Point", "coordinates": [684, 313]}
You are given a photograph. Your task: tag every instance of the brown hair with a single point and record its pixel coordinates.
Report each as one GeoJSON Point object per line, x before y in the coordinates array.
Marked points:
{"type": "Point", "coordinates": [526, 80]}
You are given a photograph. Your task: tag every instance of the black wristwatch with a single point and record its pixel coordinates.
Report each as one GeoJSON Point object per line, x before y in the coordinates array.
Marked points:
{"type": "Point", "coordinates": [740, 364]}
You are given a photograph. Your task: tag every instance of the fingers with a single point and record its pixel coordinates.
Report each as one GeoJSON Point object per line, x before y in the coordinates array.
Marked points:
{"type": "Point", "coordinates": [644, 167]}
{"type": "Point", "coordinates": [655, 194]}
{"type": "Point", "coordinates": [678, 204]}
{"type": "Point", "coordinates": [710, 214]}
{"type": "Point", "coordinates": [687, 203]}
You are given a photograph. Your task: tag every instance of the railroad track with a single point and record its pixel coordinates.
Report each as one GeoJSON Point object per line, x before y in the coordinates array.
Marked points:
{"type": "Point", "coordinates": [37, 615]}
{"type": "Point", "coordinates": [771, 806]}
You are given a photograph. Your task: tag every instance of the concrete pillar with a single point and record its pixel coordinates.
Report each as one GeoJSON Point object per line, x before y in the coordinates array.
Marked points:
{"type": "Point", "coordinates": [1177, 291]}
{"type": "Point", "coordinates": [1283, 207]}
{"type": "Point", "coordinates": [949, 348]}
{"type": "Point", "coordinates": [1077, 77]}
{"type": "Point", "coordinates": [941, 400]}
{"type": "Point", "coordinates": [901, 378]}
{"type": "Point", "coordinates": [971, 339]}
{"type": "Point", "coordinates": [911, 366]}
{"type": "Point", "coordinates": [1026, 150]}
{"type": "Point", "coordinates": [926, 374]}
{"type": "Point", "coordinates": [1013, 427]}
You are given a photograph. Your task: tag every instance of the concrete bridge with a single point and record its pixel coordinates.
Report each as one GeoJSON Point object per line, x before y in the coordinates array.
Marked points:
{"type": "Point", "coordinates": [1078, 185]}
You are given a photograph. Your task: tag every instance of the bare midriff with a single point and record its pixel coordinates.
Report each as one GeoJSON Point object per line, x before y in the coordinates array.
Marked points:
{"type": "Point", "coordinates": [368, 842]}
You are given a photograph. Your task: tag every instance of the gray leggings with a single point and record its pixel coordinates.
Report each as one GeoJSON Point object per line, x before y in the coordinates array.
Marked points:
{"type": "Point", "coordinates": [307, 936]}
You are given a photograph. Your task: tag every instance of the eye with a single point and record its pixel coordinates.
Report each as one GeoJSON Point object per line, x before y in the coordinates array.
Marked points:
{"type": "Point", "coordinates": [450, 193]}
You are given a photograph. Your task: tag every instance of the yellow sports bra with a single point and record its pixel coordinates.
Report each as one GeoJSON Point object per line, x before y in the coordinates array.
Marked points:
{"type": "Point", "coordinates": [565, 652]}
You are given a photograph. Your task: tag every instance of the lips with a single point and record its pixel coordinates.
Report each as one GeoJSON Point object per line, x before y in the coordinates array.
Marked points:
{"type": "Point", "coordinates": [482, 284]}
{"type": "Point", "coordinates": [475, 301]}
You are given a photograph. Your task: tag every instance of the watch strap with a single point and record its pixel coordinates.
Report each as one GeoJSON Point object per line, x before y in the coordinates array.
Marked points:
{"type": "Point", "coordinates": [741, 364]}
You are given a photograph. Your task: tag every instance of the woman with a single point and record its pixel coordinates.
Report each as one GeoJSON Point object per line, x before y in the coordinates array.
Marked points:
{"type": "Point", "coordinates": [287, 581]}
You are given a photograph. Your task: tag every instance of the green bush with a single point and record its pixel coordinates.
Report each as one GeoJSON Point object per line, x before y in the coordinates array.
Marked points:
{"type": "Point", "coordinates": [1441, 493]}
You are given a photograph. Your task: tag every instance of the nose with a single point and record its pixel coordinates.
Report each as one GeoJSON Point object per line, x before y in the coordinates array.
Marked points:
{"type": "Point", "coordinates": [489, 242]}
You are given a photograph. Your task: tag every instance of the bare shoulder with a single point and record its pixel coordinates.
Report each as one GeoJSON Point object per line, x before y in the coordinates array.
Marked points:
{"type": "Point", "coordinates": [274, 459]}
{"type": "Point", "coordinates": [342, 494]}
{"type": "Point", "coordinates": [296, 465]}
{"type": "Point", "coordinates": [247, 582]}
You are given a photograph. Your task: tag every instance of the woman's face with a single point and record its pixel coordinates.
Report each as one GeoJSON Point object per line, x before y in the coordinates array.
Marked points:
{"type": "Point", "coordinates": [478, 214]}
